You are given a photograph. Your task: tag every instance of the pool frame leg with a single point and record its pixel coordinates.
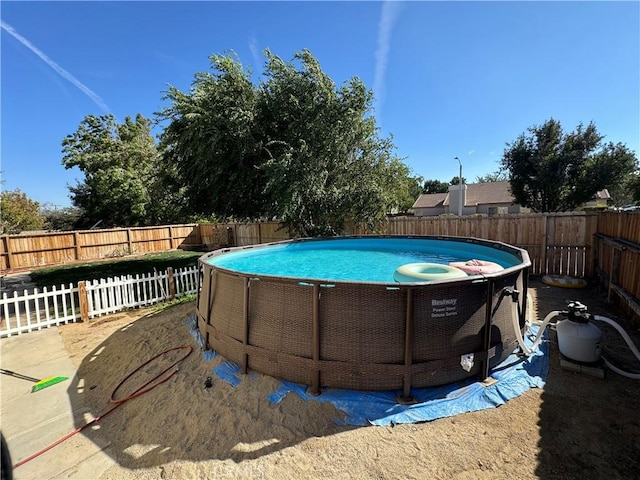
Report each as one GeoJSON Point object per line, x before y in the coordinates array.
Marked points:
{"type": "Point", "coordinates": [245, 327]}
{"type": "Point", "coordinates": [484, 372]}
{"type": "Point", "coordinates": [212, 277]}
{"type": "Point", "coordinates": [315, 340]}
{"type": "Point", "coordinates": [406, 397]}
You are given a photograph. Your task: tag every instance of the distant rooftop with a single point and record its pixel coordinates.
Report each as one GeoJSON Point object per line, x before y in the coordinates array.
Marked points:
{"type": "Point", "coordinates": [477, 194]}
{"type": "Point", "coordinates": [486, 193]}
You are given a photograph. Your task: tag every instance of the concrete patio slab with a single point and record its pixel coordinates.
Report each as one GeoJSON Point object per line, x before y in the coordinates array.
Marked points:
{"type": "Point", "coordinates": [31, 421]}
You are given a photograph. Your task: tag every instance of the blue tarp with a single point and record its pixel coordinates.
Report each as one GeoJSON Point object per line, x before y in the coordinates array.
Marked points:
{"type": "Point", "coordinates": [513, 376]}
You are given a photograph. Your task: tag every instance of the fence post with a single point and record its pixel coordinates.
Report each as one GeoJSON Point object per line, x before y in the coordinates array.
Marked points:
{"type": "Point", "coordinates": [230, 237]}
{"type": "Point", "coordinates": [614, 274]}
{"type": "Point", "coordinates": [76, 244]}
{"type": "Point", "coordinates": [171, 239]}
{"type": "Point", "coordinates": [129, 246]}
{"type": "Point", "coordinates": [549, 236]}
{"type": "Point", "coordinates": [172, 283]}
{"type": "Point", "coordinates": [84, 301]}
{"type": "Point", "coordinates": [198, 234]}
{"type": "Point", "coordinates": [5, 240]}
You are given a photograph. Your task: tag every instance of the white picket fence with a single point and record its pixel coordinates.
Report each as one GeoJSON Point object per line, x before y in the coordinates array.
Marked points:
{"type": "Point", "coordinates": [35, 310]}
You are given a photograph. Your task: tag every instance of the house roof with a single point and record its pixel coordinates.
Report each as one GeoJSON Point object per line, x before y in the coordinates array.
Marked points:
{"type": "Point", "coordinates": [486, 193]}
{"type": "Point", "coordinates": [477, 194]}
{"type": "Point", "coordinates": [430, 200]}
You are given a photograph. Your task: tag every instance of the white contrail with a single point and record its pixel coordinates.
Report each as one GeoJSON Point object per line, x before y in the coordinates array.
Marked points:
{"type": "Point", "coordinates": [388, 19]}
{"type": "Point", "coordinates": [258, 58]}
{"type": "Point", "coordinates": [61, 71]}
{"type": "Point", "coordinates": [255, 52]}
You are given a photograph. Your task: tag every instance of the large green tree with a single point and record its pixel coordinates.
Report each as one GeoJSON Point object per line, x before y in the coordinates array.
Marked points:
{"type": "Point", "coordinates": [294, 147]}
{"type": "Point", "coordinates": [18, 213]}
{"type": "Point", "coordinates": [326, 164]}
{"type": "Point", "coordinates": [497, 176]}
{"type": "Point", "coordinates": [211, 146]}
{"type": "Point", "coordinates": [118, 161]}
{"type": "Point", "coordinates": [414, 190]}
{"type": "Point", "coordinates": [627, 191]}
{"type": "Point", "coordinates": [553, 171]}
{"type": "Point", "coordinates": [60, 219]}
{"type": "Point", "coordinates": [634, 186]}
{"type": "Point", "coordinates": [435, 186]}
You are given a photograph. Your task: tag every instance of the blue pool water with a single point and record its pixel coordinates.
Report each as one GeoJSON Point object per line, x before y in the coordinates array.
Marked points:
{"type": "Point", "coordinates": [355, 259]}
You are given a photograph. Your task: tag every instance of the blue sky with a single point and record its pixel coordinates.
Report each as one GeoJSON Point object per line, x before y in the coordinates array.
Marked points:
{"type": "Point", "coordinates": [450, 78]}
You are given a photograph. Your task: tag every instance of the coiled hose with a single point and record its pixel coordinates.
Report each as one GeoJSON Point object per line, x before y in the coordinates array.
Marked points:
{"type": "Point", "coordinates": [627, 338]}
{"type": "Point", "coordinates": [159, 379]}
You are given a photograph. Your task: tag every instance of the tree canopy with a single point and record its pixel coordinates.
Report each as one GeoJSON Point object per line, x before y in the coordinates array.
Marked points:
{"type": "Point", "coordinates": [60, 219]}
{"type": "Point", "coordinates": [210, 147]}
{"type": "Point", "coordinates": [300, 149]}
{"type": "Point", "coordinates": [414, 190]}
{"type": "Point", "coordinates": [435, 186]}
{"type": "Point", "coordinates": [633, 183]}
{"type": "Point", "coordinates": [117, 161]}
{"type": "Point", "coordinates": [627, 191]}
{"type": "Point", "coordinates": [498, 176]}
{"type": "Point", "coordinates": [456, 180]}
{"type": "Point", "coordinates": [295, 147]}
{"type": "Point", "coordinates": [553, 171]}
{"type": "Point", "coordinates": [19, 213]}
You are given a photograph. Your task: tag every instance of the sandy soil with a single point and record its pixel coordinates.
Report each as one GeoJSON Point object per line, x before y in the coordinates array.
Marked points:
{"type": "Point", "coordinates": [578, 426]}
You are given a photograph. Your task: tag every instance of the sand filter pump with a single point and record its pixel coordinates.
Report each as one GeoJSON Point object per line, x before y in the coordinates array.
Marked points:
{"type": "Point", "coordinates": [578, 337]}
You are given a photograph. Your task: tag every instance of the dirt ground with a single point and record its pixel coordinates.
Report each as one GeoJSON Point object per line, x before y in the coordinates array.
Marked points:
{"type": "Point", "coordinates": [576, 427]}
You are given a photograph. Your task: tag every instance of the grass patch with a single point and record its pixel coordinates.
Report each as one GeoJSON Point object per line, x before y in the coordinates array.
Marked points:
{"type": "Point", "coordinates": [65, 274]}
{"type": "Point", "coordinates": [159, 307]}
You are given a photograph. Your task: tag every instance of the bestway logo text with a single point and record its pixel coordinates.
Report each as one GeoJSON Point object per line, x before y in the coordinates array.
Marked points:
{"type": "Point", "coordinates": [443, 303]}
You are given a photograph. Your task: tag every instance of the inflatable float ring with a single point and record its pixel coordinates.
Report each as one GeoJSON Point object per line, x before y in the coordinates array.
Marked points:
{"type": "Point", "coordinates": [426, 272]}
{"type": "Point", "coordinates": [564, 281]}
{"type": "Point", "coordinates": [478, 267]}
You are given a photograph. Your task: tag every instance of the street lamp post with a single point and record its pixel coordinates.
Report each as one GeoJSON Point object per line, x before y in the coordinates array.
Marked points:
{"type": "Point", "coordinates": [459, 188]}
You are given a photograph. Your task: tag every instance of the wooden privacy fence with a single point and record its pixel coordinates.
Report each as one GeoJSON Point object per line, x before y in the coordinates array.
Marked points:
{"type": "Point", "coordinates": [20, 252]}
{"type": "Point", "coordinates": [617, 258]}
{"type": "Point", "coordinates": [557, 243]}
{"type": "Point", "coordinates": [38, 250]}
{"type": "Point", "coordinates": [242, 234]}
{"type": "Point", "coordinates": [34, 310]}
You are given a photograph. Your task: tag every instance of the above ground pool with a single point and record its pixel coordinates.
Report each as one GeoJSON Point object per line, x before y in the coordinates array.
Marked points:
{"type": "Point", "coordinates": [365, 313]}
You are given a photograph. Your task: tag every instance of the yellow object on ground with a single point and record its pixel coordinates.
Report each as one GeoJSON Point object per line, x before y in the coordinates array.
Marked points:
{"type": "Point", "coordinates": [47, 382]}
{"type": "Point", "coordinates": [564, 281]}
{"type": "Point", "coordinates": [39, 384]}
